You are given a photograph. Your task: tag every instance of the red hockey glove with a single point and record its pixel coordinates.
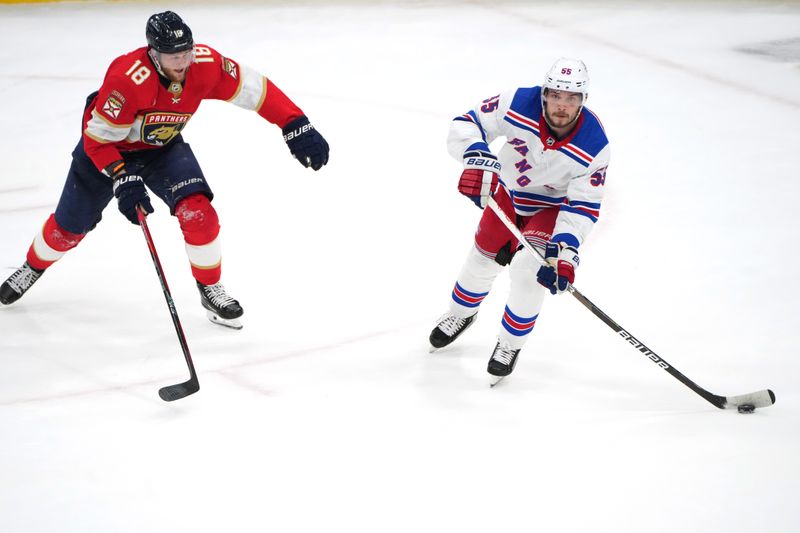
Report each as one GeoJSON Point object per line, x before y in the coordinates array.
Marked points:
{"type": "Point", "coordinates": [560, 273]}
{"type": "Point", "coordinates": [480, 177]}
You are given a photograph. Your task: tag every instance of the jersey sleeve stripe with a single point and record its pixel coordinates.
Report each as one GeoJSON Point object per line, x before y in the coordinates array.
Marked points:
{"type": "Point", "coordinates": [263, 93]}
{"type": "Point", "coordinates": [251, 91]}
{"type": "Point", "coordinates": [477, 122]}
{"type": "Point", "coordinates": [103, 131]}
{"type": "Point", "coordinates": [472, 118]}
{"type": "Point", "coordinates": [521, 121]}
{"type": "Point", "coordinates": [570, 151]}
{"type": "Point", "coordinates": [591, 214]}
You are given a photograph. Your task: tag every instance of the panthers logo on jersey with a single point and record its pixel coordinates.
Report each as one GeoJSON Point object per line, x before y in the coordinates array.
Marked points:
{"type": "Point", "coordinates": [160, 128]}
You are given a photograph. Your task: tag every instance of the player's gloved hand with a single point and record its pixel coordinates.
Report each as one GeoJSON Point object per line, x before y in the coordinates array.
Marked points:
{"type": "Point", "coordinates": [480, 177]}
{"type": "Point", "coordinates": [130, 192]}
{"type": "Point", "coordinates": [306, 143]}
{"type": "Point", "coordinates": [560, 273]}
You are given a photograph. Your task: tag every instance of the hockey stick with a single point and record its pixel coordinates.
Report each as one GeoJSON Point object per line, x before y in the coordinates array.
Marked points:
{"type": "Point", "coordinates": [763, 398]}
{"type": "Point", "coordinates": [179, 390]}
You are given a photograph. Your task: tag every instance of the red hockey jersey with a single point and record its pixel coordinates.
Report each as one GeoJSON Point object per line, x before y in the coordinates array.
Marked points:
{"type": "Point", "coordinates": [136, 109]}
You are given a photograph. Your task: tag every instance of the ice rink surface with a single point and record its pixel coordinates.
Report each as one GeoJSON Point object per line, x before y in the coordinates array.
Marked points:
{"type": "Point", "coordinates": [326, 412]}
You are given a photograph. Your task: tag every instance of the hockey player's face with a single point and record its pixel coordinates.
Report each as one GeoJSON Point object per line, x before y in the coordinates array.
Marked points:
{"type": "Point", "coordinates": [176, 65]}
{"type": "Point", "coordinates": [562, 107]}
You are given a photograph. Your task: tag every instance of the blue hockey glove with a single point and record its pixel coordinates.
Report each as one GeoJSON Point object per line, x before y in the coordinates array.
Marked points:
{"type": "Point", "coordinates": [130, 192]}
{"type": "Point", "coordinates": [480, 177]}
{"type": "Point", "coordinates": [306, 143]}
{"type": "Point", "coordinates": [560, 273]}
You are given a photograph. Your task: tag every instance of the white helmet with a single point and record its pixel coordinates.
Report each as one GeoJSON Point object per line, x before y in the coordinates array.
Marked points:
{"type": "Point", "coordinates": [568, 75]}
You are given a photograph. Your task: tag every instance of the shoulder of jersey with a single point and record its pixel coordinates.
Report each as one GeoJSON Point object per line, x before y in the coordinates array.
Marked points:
{"type": "Point", "coordinates": [527, 102]}
{"type": "Point", "coordinates": [133, 73]}
{"type": "Point", "coordinates": [592, 136]}
{"type": "Point", "coordinates": [209, 64]}
{"type": "Point", "coordinates": [206, 57]}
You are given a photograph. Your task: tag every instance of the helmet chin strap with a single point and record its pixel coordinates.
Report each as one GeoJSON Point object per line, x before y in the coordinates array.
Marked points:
{"type": "Point", "coordinates": [154, 57]}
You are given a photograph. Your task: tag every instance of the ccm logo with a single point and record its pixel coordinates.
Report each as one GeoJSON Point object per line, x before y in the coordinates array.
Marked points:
{"type": "Point", "coordinates": [298, 132]}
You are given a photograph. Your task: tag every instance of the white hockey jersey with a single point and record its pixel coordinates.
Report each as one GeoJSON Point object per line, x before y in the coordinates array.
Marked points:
{"type": "Point", "coordinates": [539, 171]}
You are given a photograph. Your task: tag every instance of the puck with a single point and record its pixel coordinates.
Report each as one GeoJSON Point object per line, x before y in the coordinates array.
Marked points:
{"type": "Point", "coordinates": [746, 408]}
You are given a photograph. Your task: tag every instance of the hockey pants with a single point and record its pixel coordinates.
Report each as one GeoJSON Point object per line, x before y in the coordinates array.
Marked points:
{"type": "Point", "coordinates": [494, 247]}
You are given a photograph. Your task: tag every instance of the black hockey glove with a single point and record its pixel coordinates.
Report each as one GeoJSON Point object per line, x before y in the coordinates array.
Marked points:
{"type": "Point", "coordinates": [306, 143]}
{"type": "Point", "coordinates": [130, 192]}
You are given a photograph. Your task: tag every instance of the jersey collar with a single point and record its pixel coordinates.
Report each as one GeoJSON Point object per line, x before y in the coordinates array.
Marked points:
{"type": "Point", "coordinates": [549, 140]}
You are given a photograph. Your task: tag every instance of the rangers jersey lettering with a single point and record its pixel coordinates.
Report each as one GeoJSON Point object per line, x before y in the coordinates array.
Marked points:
{"type": "Point", "coordinates": [136, 109]}
{"type": "Point", "coordinates": [538, 170]}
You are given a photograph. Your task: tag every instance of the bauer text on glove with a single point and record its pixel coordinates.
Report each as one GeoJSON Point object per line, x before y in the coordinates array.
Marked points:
{"type": "Point", "coordinates": [130, 192]}
{"type": "Point", "coordinates": [480, 177]}
{"type": "Point", "coordinates": [306, 143]}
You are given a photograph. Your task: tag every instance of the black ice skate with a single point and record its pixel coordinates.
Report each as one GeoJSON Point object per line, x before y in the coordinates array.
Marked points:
{"type": "Point", "coordinates": [448, 330]}
{"type": "Point", "coordinates": [19, 282]}
{"type": "Point", "coordinates": [221, 308]}
{"type": "Point", "coordinates": [502, 362]}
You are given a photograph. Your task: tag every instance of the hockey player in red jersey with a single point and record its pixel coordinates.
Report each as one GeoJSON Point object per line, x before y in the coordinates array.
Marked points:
{"type": "Point", "coordinates": [132, 139]}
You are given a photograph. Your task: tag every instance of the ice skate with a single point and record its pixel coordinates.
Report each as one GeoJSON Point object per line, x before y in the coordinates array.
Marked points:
{"type": "Point", "coordinates": [448, 329]}
{"type": "Point", "coordinates": [221, 308]}
{"type": "Point", "coordinates": [19, 282]}
{"type": "Point", "coordinates": [502, 362]}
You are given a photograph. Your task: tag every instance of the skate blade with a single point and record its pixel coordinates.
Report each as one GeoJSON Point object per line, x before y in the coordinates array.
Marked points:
{"type": "Point", "coordinates": [233, 323]}
{"type": "Point", "coordinates": [494, 380]}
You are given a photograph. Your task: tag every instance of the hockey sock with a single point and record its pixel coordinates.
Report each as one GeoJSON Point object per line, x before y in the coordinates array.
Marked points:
{"type": "Point", "coordinates": [200, 226]}
{"type": "Point", "coordinates": [524, 302]}
{"type": "Point", "coordinates": [473, 284]}
{"type": "Point", "coordinates": [50, 244]}
{"type": "Point", "coordinates": [515, 328]}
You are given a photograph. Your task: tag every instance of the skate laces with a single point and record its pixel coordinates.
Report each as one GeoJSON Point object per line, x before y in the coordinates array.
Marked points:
{"type": "Point", "coordinates": [23, 278]}
{"type": "Point", "coordinates": [216, 293]}
{"type": "Point", "coordinates": [451, 324]}
{"type": "Point", "coordinates": [504, 353]}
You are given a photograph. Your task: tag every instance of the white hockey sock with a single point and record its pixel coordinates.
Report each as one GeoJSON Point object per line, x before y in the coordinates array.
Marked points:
{"type": "Point", "coordinates": [473, 284]}
{"type": "Point", "coordinates": [524, 301]}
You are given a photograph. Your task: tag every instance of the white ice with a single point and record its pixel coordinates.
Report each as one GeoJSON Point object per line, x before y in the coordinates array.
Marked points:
{"type": "Point", "coordinates": [326, 412]}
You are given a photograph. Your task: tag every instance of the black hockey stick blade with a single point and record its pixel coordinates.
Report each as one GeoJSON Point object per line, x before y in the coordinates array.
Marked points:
{"type": "Point", "coordinates": [762, 398]}
{"type": "Point", "coordinates": [170, 393]}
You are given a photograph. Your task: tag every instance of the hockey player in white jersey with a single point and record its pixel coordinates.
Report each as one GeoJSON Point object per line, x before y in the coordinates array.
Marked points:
{"type": "Point", "coordinates": [549, 177]}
